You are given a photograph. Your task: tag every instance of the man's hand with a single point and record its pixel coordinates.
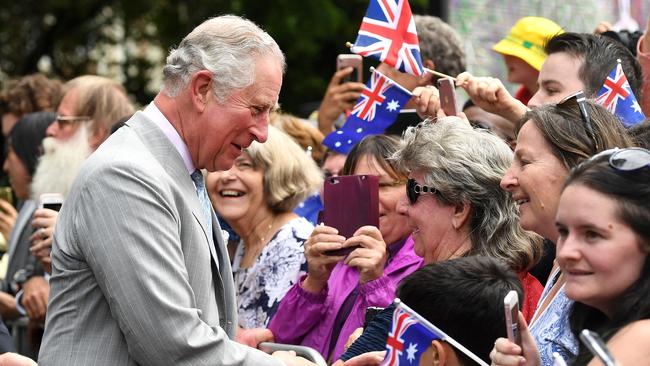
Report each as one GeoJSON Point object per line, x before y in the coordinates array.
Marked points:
{"type": "Point", "coordinates": [43, 222]}
{"type": "Point", "coordinates": [8, 216]}
{"type": "Point", "coordinates": [338, 98]}
{"type": "Point", "coordinates": [253, 337]}
{"type": "Point", "coordinates": [14, 359]}
{"type": "Point", "coordinates": [290, 359]}
{"type": "Point", "coordinates": [35, 296]}
{"type": "Point", "coordinates": [490, 95]}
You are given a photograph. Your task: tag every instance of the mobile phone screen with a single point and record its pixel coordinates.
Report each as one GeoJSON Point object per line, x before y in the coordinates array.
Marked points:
{"type": "Point", "coordinates": [53, 206]}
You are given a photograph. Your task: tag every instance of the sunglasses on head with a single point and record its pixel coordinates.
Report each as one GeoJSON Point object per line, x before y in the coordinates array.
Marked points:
{"type": "Point", "coordinates": [626, 160]}
{"type": "Point", "coordinates": [414, 190]}
{"type": "Point", "coordinates": [578, 98]}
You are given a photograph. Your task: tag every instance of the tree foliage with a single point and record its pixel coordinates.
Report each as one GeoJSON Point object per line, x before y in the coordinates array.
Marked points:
{"type": "Point", "coordinates": [128, 40]}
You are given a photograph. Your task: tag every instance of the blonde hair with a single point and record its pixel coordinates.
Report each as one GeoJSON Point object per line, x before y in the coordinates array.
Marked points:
{"type": "Point", "coordinates": [302, 132]}
{"type": "Point", "coordinates": [290, 175]}
{"type": "Point", "coordinates": [102, 99]}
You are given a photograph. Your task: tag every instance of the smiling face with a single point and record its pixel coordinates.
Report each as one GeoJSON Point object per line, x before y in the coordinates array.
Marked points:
{"type": "Point", "coordinates": [223, 129]}
{"type": "Point", "coordinates": [598, 253]}
{"type": "Point", "coordinates": [238, 193]}
{"type": "Point", "coordinates": [392, 224]}
{"type": "Point", "coordinates": [558, 78]}
{"type": "Point", "coordinates": [535, 181]}
{"type": "Point", "coordinates": [430, 222]}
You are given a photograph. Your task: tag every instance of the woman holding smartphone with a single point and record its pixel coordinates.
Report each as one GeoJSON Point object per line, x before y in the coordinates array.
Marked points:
{"type": "Point", "coordinates": [602, 249]}
{"type": "Point", "coordinates": [329, 303]}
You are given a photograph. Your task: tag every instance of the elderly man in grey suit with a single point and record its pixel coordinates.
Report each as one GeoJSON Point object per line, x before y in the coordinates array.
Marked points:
{"type": "Point", "coordinates": [140, 273]}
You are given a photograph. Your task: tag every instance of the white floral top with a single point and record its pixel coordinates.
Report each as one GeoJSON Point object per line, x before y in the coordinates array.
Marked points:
{"type": "Point", "coordinates": [552, 331]}
{"type": "Point", "coordinates": [261, 287]}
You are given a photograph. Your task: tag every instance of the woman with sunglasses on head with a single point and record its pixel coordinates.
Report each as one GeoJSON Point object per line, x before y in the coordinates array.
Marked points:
{"type": "Point", "coordinates": [329, 303]}
{"type": "Point", "coordinates": [551, 140]}
{"type": "Point", "coordinates": [602, 249]}
{"type": "Point", "coordinates": [456, 208]}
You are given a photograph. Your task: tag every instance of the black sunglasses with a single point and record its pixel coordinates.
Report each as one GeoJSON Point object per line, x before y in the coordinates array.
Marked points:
{"type": "Point", "coordinates": [580, 99]}
{"type": "Point", "coordinates": [626, 160]}
{"type": "Point", "coordinates": [414, 190]}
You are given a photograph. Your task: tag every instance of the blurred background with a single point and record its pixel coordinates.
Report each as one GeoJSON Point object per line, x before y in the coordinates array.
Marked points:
{"type": "Point", "coordinates": [128, 39]}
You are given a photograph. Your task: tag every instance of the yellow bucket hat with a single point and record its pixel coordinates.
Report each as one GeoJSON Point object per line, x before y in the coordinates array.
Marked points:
{"type": "Point", "coordinates": [527, 39]}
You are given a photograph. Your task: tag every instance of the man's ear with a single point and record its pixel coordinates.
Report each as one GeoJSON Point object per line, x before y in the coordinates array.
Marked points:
{"type": "Point", "coordinates": [439, 353]}
{"type": "Point", "coordinates": [461, 214]}
{"type": "Point", "coordinates": [201, 89]}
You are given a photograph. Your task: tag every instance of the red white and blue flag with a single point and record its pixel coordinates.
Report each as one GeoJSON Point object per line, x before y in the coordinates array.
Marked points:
{"type": "Point", "coordinates": [407, 340]}
{"type": "Point", "coordinates": [388, 34]}
{"type": "Point", "coordinates": [617, 96]}
{"type": "Point", "coordinates": [377, 108]}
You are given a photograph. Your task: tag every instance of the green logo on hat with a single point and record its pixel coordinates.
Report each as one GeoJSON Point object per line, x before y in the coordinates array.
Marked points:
{"type": "Point", "coordinates": [528, 44]}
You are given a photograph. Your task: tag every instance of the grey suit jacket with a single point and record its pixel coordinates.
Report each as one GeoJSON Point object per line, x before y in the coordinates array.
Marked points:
{"type": "Point", "coordinates": [134, 276]}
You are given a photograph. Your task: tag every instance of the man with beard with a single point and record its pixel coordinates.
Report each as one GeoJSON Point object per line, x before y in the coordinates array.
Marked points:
{"type": "Point", "coordinates": [89, 107]}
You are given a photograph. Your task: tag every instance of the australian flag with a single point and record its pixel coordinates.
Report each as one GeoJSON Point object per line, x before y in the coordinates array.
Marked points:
{"type": "Point", "coordinates": [388, 34]}
{"type": "Point", "coordinates": [377, 108]}
{"type": "Point", "coordinates": [617, 96]}
{"type": "Point", "coordinates": [408, 339]}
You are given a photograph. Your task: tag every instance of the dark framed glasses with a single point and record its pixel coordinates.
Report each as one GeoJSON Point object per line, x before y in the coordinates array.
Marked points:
{"type": "Point", "coordinates": [626, 160]}
{"type": "Point", "coordinates": [578, 98]}
{"type": "Point", "coordinates": [414, 190]}
{"type": "Point", "coordinates": [68, 120]}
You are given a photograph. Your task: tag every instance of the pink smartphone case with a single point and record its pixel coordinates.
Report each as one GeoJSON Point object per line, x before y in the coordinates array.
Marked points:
{"type": "Point", "coordinates": [351, 201]}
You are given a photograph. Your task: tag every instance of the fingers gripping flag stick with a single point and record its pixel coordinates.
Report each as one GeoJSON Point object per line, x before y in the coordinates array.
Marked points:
{"type": "Point", "coordinates": [410, 337]}
{"type": "Point", "coordinates": [377, 108]}
{"type": "Point", "coordinates": [388, 34]}
{"type": "Point", "coordinates": [617, 96]}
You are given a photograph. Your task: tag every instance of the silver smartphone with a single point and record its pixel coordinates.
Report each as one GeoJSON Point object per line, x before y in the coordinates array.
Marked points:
{"type": "Point", "coordinates": [511, 308]}
{"type": "Point", "coordinates": [597, 347]}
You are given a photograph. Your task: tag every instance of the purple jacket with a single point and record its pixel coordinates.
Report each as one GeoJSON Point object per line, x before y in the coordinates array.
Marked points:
{"type": "Point", "coordinates": [307, 319]}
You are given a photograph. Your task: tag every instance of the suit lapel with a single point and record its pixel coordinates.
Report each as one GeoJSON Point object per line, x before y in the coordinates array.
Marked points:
{"type": "Point", "coordinates": [167, 155]}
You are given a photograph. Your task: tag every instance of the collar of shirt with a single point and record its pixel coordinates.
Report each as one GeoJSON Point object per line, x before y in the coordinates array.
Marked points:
{"type": "Point", "coordinates": [153, 113]}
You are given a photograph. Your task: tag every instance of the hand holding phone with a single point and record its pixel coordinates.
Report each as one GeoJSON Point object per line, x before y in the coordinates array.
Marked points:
{"type": "Point", "coordinates": [350, 60]}
{"type": "Point", "coordinates": [52, 201]}
{"type": "Point", "coordinates": [7, 194]}
{"type": "Point", "coordinates": [511, 307]}
{"type": "Point", "coordinates": [350, 201]}
{"type": "Point", "coordinates": [447, 96]}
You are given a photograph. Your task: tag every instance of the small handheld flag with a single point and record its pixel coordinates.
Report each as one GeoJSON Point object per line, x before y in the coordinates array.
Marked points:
{"type": "Point", "coordinates": [411, 335]}
{"type": "Point", "coordinates": [388, 34]}
{"type": "Point", "coordinates": [377, 108]}
{"type": "Point", "coordinates": [617, 96]}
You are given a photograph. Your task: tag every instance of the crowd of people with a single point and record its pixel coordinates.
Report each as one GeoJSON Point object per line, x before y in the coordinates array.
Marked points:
{"type": "Point", "coordinates": [189, 232]}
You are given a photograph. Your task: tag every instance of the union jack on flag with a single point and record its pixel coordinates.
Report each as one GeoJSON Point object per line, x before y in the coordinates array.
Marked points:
{"type": "Point", "coordinates": [388, 34]}
{"type": "Point", "coordinates": [377, 108]}
{"type": "Point", "coordinates": [407, 340]}
{"type": "Point", "coordinates": [617, 96]}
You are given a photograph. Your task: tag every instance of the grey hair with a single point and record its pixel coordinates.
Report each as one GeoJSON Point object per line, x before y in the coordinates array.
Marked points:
{"type": "Point", "coordinates": [440, 43]}
{"type": "Point", "coordinates": [466, 166]}
{"type": "Point", "coordinates": [228, 47]}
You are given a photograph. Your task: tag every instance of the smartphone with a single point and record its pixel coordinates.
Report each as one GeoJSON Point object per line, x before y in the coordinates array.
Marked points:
{"type": "Point", "coordinates": [597, 347]}
{"type": "Point", "coordinates": [511, 307]}
{"type": "Point", "coordinates": [447, 96]}
{"type": "Point", "coordinates": [350, 201]}
{"type": "Point", "coordinates": [7, 194]}
{"type": "Point", "coordinates": [355, 61]}
{"type": "Point", "coordinates": [52, 201]}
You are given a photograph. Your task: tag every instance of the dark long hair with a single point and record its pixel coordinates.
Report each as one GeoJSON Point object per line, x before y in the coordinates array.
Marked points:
{"type": "Point", "coordinates": [631, 191]}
